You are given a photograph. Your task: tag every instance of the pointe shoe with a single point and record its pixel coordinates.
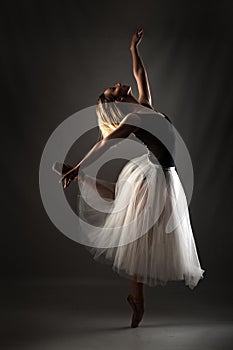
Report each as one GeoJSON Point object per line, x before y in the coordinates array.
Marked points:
{"type": "Point", "coordinates": [61, 168]}
{"type": "Point", "coordinates": [138, 311]}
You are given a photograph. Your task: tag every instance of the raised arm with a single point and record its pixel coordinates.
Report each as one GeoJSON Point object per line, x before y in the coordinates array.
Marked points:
{"type": "Point", "coordinates": [139, 70]}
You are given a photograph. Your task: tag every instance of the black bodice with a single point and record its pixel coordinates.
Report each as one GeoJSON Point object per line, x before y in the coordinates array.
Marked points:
{"type": "Point", "coordinates": [156, 147]}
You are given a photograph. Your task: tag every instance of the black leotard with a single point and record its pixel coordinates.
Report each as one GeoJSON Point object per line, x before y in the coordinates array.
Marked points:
{"type": "Point", "coordinates": [155, 146]}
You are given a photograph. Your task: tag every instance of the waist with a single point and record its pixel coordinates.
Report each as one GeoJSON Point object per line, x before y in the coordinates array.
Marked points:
{"type": "Point", "coordinates": [166, 166]}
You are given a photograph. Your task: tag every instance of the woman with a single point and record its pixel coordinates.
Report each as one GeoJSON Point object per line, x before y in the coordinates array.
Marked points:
{"type": "Point", "coordinates": [154, 257]}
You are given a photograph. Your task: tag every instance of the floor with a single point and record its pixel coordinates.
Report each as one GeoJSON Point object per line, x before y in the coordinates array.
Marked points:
{"type": "Point", "coordinates": [67, 314]}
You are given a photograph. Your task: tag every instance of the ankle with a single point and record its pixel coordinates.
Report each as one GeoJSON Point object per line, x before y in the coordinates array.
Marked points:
{"type": "Point", "coordinates": [137, 299]}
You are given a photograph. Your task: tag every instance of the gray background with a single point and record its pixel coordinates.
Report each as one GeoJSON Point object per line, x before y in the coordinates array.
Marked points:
{"type": "Point", "coordinates": [56, 58]}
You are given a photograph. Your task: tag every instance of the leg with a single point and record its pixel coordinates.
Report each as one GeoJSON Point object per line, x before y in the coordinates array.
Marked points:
{"type": "Point", "coordinates": [136, 300]}
{"type": "Point", "coordinates": [105, 188]}
{"type": "Point", "coordinates": [137, 290]}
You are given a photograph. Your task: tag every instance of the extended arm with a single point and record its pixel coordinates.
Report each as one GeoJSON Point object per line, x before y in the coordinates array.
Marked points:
{"type": "Point", "coordinates": [139, 70]}
{"type": "Point", "coordinates": [123, 131]}
{"type": "Point", "coordinates": [106, 188]}
{"type": "Point", "coordinates": [128, 125]}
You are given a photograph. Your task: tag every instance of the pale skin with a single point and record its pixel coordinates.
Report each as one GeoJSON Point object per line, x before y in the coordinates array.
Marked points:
{"type": "Point", "coordinates": [121, 93]}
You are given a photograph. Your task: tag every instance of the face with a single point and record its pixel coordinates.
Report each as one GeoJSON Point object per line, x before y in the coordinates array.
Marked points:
{"type": "Point", "coordinates": [118, 91]}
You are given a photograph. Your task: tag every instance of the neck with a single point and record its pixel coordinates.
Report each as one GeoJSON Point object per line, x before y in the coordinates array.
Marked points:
{"type": "Point", "coordinates": [129, 104]}
{"type": "Point", "coordinates": [130, 99]}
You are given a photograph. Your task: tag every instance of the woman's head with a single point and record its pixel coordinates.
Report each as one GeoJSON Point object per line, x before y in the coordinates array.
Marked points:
{"type": "Point", "coordinates": [109, 114]}
{"type": "Point", "coordinates": [118, 92]}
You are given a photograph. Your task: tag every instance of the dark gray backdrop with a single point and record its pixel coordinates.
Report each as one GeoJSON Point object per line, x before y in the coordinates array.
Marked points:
{"type": "Point", "coordinates": [56, 59]}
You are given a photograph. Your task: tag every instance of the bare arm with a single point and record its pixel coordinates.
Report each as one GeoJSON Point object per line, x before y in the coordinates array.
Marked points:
{"type": "Point", "coordinates": [128, 125]}
{"type": "Point", "coordinates": [139, 70]}
{"type": "Point", "coordinates": [123, 131]}
{"type": "Point", "coordinates": [106, 188]}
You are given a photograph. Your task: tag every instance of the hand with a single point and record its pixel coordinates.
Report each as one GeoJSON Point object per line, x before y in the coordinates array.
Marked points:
{"type": "Point", "coordinates": [69, 176]}
{"type": "Point", "coordinates": [137, 38]}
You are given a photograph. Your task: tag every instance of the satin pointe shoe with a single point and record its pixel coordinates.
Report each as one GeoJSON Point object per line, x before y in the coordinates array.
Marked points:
{"type": "Point", "coordinates": [138, 311]}
{"type": "Point", "coordinates": [61, 168]}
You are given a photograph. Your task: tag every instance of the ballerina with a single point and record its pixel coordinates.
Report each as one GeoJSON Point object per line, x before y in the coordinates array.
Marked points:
{"type": "Point", "coordinates": [155, 257]}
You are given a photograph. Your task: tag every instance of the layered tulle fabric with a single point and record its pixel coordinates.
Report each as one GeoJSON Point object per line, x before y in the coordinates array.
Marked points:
{"type": "Point", "coordinates": [145, 230]}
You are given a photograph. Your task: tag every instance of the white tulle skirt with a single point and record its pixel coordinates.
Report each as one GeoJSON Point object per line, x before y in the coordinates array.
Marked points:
{"type": "Point", "coordinates": [145, 231]}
